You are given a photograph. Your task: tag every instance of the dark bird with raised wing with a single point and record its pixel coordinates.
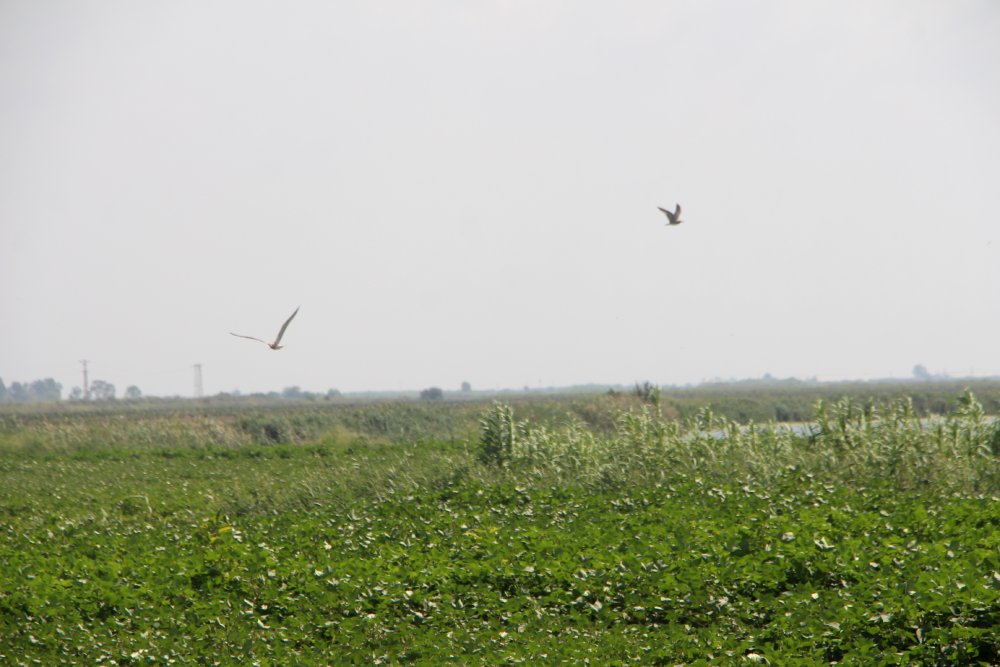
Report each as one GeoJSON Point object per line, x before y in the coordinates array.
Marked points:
{"type": "Point", "coordinates": [275, 345]}
{"type": "Point", "coordinates": [674, 218]}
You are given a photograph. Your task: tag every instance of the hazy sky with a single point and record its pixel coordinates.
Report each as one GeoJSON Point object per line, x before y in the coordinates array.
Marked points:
{"type": "Point", "coordinates": [467, 191]}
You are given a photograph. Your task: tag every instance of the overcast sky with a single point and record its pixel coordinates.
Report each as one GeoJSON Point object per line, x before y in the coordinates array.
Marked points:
{"type": "Point", "coordinates": [467, 191]}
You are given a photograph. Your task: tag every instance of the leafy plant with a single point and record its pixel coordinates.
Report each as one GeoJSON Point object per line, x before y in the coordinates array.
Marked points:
{"type": "Point", "coordinates": [867, 537]}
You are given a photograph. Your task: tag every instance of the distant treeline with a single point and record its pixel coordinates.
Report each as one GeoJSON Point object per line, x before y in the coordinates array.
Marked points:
{"type": "Point", "coordinates": [27, 392]}
{"type": "Point", "coordinates": [301, 416]}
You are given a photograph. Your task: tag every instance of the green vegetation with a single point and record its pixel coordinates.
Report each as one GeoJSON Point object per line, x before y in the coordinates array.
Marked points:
{"type": "Point", "coordinates": [531, 532]}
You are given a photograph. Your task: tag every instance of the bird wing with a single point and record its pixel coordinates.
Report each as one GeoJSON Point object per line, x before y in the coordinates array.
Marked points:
{"type": "Point", "coordinates": [250, 337]}
{"type": "Point", "coordinates": [671, 217]}
{"type": "Point", "coordinates": [677, 213]}
{"type": "Point", "coordinates": [285, 326]}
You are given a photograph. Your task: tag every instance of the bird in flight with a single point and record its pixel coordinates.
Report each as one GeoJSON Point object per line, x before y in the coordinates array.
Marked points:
{"type": "Point", "coordinates": [275, 345]}
{"type": "Point", "coordinates": [673, 217]}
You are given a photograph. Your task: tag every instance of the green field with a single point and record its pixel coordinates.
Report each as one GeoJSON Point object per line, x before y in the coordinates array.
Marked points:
{"type": "Point", "coordinates": [625, 529]}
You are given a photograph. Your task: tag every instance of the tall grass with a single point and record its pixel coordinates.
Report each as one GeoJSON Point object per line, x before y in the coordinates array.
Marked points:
{"type": "Point", "coordinates": [847, 443]}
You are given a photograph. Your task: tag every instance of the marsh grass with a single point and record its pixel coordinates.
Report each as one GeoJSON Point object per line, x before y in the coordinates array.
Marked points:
{"type": "Point", "coordinates": [846, 443]}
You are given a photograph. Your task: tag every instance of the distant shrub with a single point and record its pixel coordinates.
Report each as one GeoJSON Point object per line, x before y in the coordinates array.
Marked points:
{"type": "Point", "coordinates": [432, 394]}
{"type": "Point", "coordinates": [647, 392]}
{"type": "Point", "coordinates": [265, 430]}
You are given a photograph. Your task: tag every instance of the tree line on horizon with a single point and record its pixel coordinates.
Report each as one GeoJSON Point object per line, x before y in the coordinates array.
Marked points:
{"type": "Point", "coordinates": [27, 392]}
{"type": "Point", "coordinates": [48, 390]}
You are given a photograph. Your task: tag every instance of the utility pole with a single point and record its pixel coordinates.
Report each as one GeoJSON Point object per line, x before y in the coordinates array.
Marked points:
{"type": "Point", "coordinates": [197, 381]}
{"type": "Point", "coordinates": [86, 385]}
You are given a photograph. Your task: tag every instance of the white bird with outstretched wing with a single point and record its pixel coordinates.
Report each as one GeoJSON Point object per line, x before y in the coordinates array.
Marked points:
{"type": "Point", "coordinates": [275, 345]}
